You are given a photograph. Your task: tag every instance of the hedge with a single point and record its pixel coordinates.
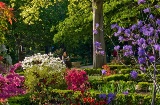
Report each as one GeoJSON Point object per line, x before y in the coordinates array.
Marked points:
{"type": "Point", "coordinates": [67, 97]}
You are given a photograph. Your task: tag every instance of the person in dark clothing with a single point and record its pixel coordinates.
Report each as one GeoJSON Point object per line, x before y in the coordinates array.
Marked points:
{"type": "Point", "coordinates": [66, 60]}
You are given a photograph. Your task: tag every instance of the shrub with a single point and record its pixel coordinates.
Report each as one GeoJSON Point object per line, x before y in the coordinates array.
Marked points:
{"type": "Point", "coordinates": [77, 80]}
{"type": "Point", "coordinates": [43, 60]}
{"type": "Point", "coordinates": [93, 71]}
{"type": "Point", "coordinates": [43, 73]}
{"type": "Point", "coordinates": [20, 100]}
{"type": "Point", "coordinates": [12, 84]}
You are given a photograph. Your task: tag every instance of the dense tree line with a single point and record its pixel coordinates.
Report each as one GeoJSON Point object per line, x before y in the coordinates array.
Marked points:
{"type": "Point", "coordinates": [66, 23]}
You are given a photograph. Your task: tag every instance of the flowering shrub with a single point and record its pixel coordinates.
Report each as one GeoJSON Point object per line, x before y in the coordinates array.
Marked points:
{"type": "Point", "coordinates": [143, 36]}
{"type": "Point", "coordinates": [88, 100]}
{"type": "Point", "coordinates": [106, 70]}
{"type": "Point", "coordinates": [43, 73]}
{"type": "Point", "coordinates": [76, 80]}
{"type": "Point", "coordinates": [43, 60]}
{"type": "Point", "coordinates": [103, 99]}
{"type": "Point", "coordinates": [12, 84]}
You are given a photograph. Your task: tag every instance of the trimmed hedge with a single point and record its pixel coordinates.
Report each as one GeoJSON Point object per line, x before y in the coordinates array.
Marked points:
{"type": "Point", "coordinates": [68, 97]}
{"type": "Point", "coordinates": [90, 71]}
{"type": "Point", "coordinates": [123, 77]}
{"type": "Point", "coordinates": [20, 100]}
{"type": "Point", "coordinates": [135, 99]}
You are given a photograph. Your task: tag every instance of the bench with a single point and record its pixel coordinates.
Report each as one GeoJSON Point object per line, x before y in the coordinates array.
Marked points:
{"type": "Point", "coordinates": [76, 64]}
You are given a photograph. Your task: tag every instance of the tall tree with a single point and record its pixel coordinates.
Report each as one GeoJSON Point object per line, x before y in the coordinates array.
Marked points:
{"type": "Point", "coordinates": [34, 21]}
{"type": "Point", "coordinates": [6, 15]}
{"type": "Point", "coordinates": [98, 59]}
{"type": "Point", "coordinates": [76, 30]}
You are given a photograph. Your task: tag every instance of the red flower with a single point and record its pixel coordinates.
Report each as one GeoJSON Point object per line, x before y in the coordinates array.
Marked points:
{"type": "Point", "coordinates": [11, 9]}
{"type": "Point", "coordinates": [88, 100]}
{"type": "Point", "coordinates": [2, 5]}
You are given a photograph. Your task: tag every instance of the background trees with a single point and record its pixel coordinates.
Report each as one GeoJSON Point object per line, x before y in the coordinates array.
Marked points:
{"type": "Point", "coordinates": [64, 23]}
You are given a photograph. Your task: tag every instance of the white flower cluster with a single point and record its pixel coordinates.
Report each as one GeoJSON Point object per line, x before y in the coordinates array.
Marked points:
{"type": "Point", "coordinates": [43, 60]}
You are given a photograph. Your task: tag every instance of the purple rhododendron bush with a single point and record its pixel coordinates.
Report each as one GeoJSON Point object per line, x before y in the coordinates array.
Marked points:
{"type": "Point", "coordinates": [143, 41]}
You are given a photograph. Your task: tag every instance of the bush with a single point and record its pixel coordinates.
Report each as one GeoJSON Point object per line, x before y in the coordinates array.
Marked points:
{"type": "Point", "coordinates": [77, 80]}
{"type": "Point", "coordinates": [20, 100]}
{"type": "Point", "coordinates": [42, 74]}
{"type": "Point", "coordinates": [93, 71]}
{"type": "Point", "coordinates": [143, 86]}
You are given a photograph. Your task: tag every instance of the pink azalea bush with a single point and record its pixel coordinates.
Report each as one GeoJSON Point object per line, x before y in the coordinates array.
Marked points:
{"type": "Point", "coordinates": [11, 84]}
{"type": "Point", "coordinates": [76, 80]}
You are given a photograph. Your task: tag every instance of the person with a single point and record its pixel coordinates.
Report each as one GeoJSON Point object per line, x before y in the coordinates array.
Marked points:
{"type": "Point", "coordinates": [66, 60]}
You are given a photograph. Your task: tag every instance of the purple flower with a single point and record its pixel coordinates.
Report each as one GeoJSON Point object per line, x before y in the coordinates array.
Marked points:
{"type": "Point", "coordinates": [121, 38]}
{"type": "Point", "coordinates": [142, 68]}
{"type": "Point", "coordinates": [103, 72]}
{"type": "Point", "coordinates": [97, 25]}
{"type": "Point", "coordinates": [128, 53]}
{"type": "Point", "coordinates": [127, 32]}
{"type": "Point", "coordinates": [120, 30]}
{"type": "Point", "coordinates": [134, 43]}
{"type": "Point", "coordinates": [157, 47]}
{"type": "Point", "coordinates": [141, 51]}
{"type": "Point", "coordinates": [136, 36]}
{"type": "Point", "coordinates": [141, 60]}
{"type": "Point", "coordinates": [111, 96]}
{"type": "Point", "coordinates": [148, 30]}
{"type": "Point", "coordinates": [151, 58]}
{"type": "Point", "coordinates": [125, 92]}
{"type": "Point", "coordinates": [133, 27]}
{"type": "Point", "coordinates": [101, 52]}
{"type": "Point", "coordinates": [116, 47]}
{"type": "Point", "coordinates": [144, 45]}
{"type": "Point", "coordinates": [116, 34]}
{"type": "Point", "coordinates": [147, 10]}
{"type": "Point", "coordinates": [158, 21]}
{"type": "Point", "coordinates": [127, 50]}
{"type": "Point", "coordinates": [114, 26]}
{"type": "Point", "coordinates": [151, 16]}
{"type": "Point", "coordinates": [134, 74]}
{"type": "Point", "coordinates": [141, 1]}
{"type": "Point", "coordinates": [103, 96]}
{"type": "Point", "coordinates": [95, 31]}
{"type": "Point", "coordinates": [141, 41]}
{"type": "Point", "coordinates": [140, 23]}
{"type": "Point", "coordinates": [149, 41]}
{"type": "Point", "coordinates": [157, 6]}
{"type": "Point", "coordinates": [97, 45]}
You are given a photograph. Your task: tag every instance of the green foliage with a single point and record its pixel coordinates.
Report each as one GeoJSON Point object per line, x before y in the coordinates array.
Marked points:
{"type": "Point", "coordinates": [6, 17]}
{"type": "Point", "coordinates": [124, 77]}
{"type": "Point", "coordinates": [66, 97]}
{"type": "Point", "coordinates": [20, 100]}
{"type": "Point", "coordinates": [41, 80]}
{"type": "Point", "coordinates": [77, 27]}
{"type": "Point", "coordinates": [34, 20]}
{"type": "Point", "coordinates": [144, 86]}
{"type": "Point", "coordinates": [43, 77]}
{"type": "Point", "coordinates": [93, 71]}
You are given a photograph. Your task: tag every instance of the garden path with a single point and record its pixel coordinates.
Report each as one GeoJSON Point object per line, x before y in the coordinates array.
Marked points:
{"type": "Point", "coordinates": [89, 66]}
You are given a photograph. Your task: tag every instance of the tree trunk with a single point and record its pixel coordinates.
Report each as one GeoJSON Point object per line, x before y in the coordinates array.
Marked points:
{"type": "Point", "coordinates": [20, 53]}
{"type": "Point", "coordinates": [19, 48]}
{"type": "Point", "coordinates": [98, 60]}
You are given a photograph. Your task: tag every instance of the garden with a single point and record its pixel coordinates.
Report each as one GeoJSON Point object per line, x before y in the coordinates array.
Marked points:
{"type": "Point", "coordinates": [125, 62]}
